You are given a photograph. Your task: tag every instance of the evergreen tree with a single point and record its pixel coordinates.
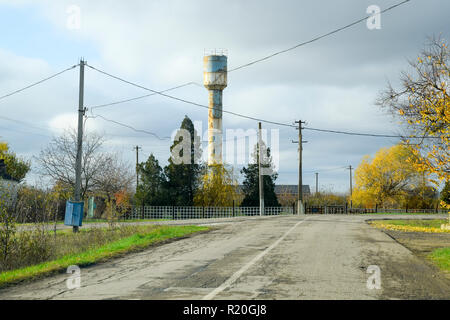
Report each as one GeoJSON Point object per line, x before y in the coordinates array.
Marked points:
{"type": "Point", "coordinates": [445, 193]}
{"type": "Point", "coordinates": [251, 182]}
{"type": "Point", "coordinates": [151, 190]}
{"type": "Point", "coordinates": [183, 179]}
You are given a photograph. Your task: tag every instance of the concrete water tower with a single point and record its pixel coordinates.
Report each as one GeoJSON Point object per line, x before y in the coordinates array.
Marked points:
{"type": "Point", "coordinates": [215, 80]}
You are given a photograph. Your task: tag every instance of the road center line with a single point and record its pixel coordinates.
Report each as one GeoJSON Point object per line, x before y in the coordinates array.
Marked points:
{"type": "Point", "coordinates": [238, 273]}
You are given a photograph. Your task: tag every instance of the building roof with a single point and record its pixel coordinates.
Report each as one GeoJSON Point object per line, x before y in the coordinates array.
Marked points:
{"type": "Point", "coordinates": [291, 189]}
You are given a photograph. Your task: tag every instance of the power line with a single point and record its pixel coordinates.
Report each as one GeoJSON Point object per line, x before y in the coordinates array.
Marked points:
{"type": "Point", "coordinates": [152, 133]}
{"type": "Point", "coordinates": [255, 61]}
{"type": "Point", "coordinates": [25, 132]}
{"type": "Point", "coordinates": [36, 83]}
{"type": "Point", "coordinates": [251, 117]}
{"type": "Point", "coordinates": [140, 97]}
{"type": "Point", "coordinates": [184, 100]}
{"type": "Point", "coordinates": [316, 38]}
{"type": "Point", "coordinates": [324, 170]}
{"type": "Point", "coordinates": [370, 134]}
{"type": "Point", "coordinates": [128, 126]}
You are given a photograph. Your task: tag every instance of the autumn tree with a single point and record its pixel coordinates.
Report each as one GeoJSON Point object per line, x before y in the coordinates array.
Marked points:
{"type": "Point", "coordinates": [16, 168]}
{"type": "Point", "coordinates": [114, 177]}
{"type": "Point", "coordinates": [217, 187]}
{"type": "Point", "coordinates": [387, 179]}
{"type": "Point", "coordinates": [422, 104]}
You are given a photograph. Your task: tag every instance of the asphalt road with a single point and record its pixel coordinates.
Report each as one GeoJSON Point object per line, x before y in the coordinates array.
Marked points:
{"type": "Point", "coordinates": [285, 257]}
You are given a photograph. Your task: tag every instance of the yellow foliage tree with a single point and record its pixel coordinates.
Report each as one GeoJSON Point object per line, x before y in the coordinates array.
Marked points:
{"type": "Point", "coordinates": [386, 179]}
{"type": "Point", "coordinates": [16, 167]}
{"type": "Point", "coordinates": [217, 188]}
{"type": "Point", "coordinates": [423, 105]}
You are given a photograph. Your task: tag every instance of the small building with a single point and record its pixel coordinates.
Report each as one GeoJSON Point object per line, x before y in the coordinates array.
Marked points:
{"type": "Point", "coordinates": [287, 194]}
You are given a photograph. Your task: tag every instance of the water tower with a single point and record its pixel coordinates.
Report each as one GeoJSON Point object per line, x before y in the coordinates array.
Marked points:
{"type": "Point", "coordinates": [215, 80]}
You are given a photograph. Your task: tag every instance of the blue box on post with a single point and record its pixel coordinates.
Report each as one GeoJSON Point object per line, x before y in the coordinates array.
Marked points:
{"type": "Point", "coordinates": [74, 213]}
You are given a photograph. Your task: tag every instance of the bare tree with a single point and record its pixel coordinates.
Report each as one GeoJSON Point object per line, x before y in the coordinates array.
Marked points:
{"type": "Point", "coordinates": [100, 172]}
{"type": "Point", "coordinates": [115, 175]}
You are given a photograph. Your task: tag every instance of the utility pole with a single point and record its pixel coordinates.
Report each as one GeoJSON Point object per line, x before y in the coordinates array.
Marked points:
{"type": "Point", "coordinates": [351, 188]}
{"type": "Point", "coordinates": [137, 165]}
{"type": "Point", "coordinates": [317, 182]}
{"type": "Point", "coordinates": [300, 182]}
{"type": "Point", "coordinates": [81, 111]}
{"type": "Point", "coordinates": [261, 178]}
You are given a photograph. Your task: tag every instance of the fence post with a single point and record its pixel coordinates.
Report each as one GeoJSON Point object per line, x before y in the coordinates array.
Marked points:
{"type": "Point", "coordinates": [346, 208]}
{"type": "Point", "coordinates": [233, 209]}
{"type": "Point", "coordinates": [376, 207]}
{"type": "Point", "coordinates": [203, 212]}
{"type": "Point", "coordinates": [293, 207]}
{"type": "Point", "coordinates": [142, 213]}
{"type": "Point", "coordinates": [406, 208]}
{"type": "Point", "coordinates": [173, 212]}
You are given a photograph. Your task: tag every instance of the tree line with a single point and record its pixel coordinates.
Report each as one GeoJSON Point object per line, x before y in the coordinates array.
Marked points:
{"type": "Point", "coordinates": [197, 184]}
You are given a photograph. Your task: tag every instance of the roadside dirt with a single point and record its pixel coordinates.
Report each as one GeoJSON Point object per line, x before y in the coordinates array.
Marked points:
{"type": "Point", "coordinates": [421, 243]}
{"type": "Point", "coordinates": [415, 277]}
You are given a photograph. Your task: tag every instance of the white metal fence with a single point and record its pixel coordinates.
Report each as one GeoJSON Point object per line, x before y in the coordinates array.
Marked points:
{"type": "Point", "coordinates": [387, 210]}
{"type": "Point", "coordinates": [181, 213]}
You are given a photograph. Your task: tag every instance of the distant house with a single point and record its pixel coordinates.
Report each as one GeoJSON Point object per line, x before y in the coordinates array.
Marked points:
{"type": "Point", "coordinates": [8, 186]}
{"type": "Point", "coordinates": [287, 194]}
{"type": "Point", "coordinates": [292, 189]}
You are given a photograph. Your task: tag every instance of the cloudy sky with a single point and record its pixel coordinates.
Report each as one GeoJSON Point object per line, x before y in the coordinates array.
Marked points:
{"type": "Point", "coordinates": [331, 83]}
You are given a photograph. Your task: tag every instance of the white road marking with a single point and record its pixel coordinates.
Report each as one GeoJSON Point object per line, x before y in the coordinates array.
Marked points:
{"type": "Point", "coordinates": [239, 273]}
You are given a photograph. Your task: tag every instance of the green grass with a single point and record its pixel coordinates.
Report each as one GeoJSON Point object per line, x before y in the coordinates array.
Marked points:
{"type": "Point", "coordinates": [441, 257]}
{"type": "Point", "coordinates": [435, 223]}
{"type": "Point", "coordinates": [402, 213]}
{"type": "Point", "coordinates": [132, 243]}
{"type": "Point", "coordinates": [87, 221]}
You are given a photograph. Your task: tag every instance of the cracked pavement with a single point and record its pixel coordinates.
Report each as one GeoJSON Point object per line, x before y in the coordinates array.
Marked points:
{"type": "Point", "coordinates": [282, 257]}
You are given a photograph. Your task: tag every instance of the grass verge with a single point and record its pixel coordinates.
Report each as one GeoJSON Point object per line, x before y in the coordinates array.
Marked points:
{"type": "Point", "coordinates": [405, 213]}
{"type": "Point", "coordinates": [441, 257]}
{"type": "Point", "coordinates": [431, 226]}
{"type": "Point", "coordinates": [87, 221]}
{"type": "Point", "coordinates": [116, 248]}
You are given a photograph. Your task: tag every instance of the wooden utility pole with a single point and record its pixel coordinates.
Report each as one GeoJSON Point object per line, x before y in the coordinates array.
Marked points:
{"type": "Point", "coordinates": [137, 165]}
{"type": "Point", "coordinates": [81, 111]}
{"type": "Point", "coordinates": [300, 181]}
{"type": "Point", "coordinates": [351, 188]}
{"type": "Point", "coordinates": [317, 182]}
{"type": "Point", "coordinates": [261, 178]}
